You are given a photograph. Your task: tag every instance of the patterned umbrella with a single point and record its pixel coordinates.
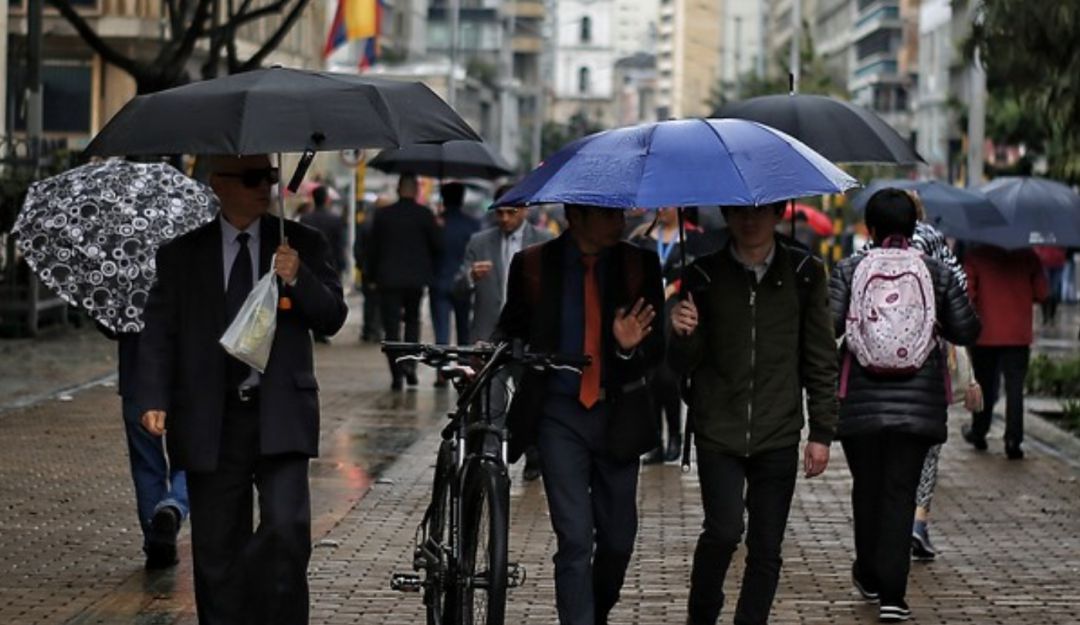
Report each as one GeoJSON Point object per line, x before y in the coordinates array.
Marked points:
{"type": "Point", "coordinates": [91, 233]}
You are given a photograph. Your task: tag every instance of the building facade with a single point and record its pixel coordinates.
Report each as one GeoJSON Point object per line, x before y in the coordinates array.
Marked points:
{"type": "Point", "coordinates": [584, 61]}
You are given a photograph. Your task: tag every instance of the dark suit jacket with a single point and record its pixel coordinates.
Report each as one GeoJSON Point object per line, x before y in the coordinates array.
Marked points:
{"type": "Point", "coordinates": [405, 243]}
{"type": "Point", "coordinates": [182, 365]}
{"type": "Point", "coordinates": [539, 327]}
{"type": "Point", "coordinates": [333, 228]}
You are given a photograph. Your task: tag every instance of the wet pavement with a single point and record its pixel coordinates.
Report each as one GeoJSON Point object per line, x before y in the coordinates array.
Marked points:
{"type": "Point", "coordinates": [1009, 532]}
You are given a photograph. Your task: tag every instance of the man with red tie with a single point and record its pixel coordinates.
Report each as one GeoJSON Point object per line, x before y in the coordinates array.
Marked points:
{"type": "Point", "coordinates": [581, 302]}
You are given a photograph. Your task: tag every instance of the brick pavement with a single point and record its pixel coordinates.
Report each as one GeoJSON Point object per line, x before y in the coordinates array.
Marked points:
{"type": "Point", "coordinates": [1009, 532]}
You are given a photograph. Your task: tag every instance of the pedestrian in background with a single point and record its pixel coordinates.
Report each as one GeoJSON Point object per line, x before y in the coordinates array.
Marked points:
{"type": "Point", "coordinates": [581, 304]}
{"type": "Point", "coordinates": [457, 228]}
{"type": "Point", "coordinates": [405, 245]}
{"type": "Point", "coordinates": [1053, 263]}
{"type": "Point", "coordinates": [371, 324]}
{"type": "Point", "coordinates": [752, 335]}
{"type": "Point", "coordinates": [1004, 284]}
{"type": "Point", "coordinates": [235, 430]}
{"type": "Point", "coordinates": [890, 413]}
{"type": "Point", "coordinates": [332, 227]}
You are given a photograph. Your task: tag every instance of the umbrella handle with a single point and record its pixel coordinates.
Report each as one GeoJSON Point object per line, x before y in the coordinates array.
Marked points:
{"type": "Point", "coordinates": [284, 302]}
{"type": "Point", "coordinates": [682, 254]}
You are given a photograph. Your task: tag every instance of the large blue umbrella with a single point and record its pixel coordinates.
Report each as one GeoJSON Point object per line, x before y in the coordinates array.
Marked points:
{"type": "Point", "coordinates": [1037, 211]}
{"type": "Point", "coordinates": [686, 162]}
{"type": "Point", "coordinates": [956, 212]}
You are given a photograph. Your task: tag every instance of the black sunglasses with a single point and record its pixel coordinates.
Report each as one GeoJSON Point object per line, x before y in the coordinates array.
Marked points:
{"type": "Point", "coordinates": [252, 178]}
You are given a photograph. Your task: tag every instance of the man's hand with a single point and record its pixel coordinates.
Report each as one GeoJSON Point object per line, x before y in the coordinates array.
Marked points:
{"type": "Point", "coordinates": [287, 263]}
{"type": "Point", "coordinates": [632, 327]}
{"type": "Point", "coordinates": [153, 421]}
{"type": "Point", "coordinates": [480, 269]}
{"type": "Point", "coordinates": [684, 318]}
{"type": "Point", "coordinates": [815, 458]}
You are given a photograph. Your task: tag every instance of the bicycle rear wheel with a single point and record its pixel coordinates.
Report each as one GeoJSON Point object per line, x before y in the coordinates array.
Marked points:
{"type": "Point", "coordinates": [484, 527]}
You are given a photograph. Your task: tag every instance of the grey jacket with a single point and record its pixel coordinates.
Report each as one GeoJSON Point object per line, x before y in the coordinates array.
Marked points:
{"type": "Point", "coordinates": [487, 294]}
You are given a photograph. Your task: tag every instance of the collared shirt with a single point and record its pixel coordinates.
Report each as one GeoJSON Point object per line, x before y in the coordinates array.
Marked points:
{"type": "Point", "coordinates": [572, 313]}
{"type": "Point", "coordinates": [229, 249]}
{"type": "Point", "coordinates": [758, 269]}
{"type": "Point", "coordinates": [510, 244]}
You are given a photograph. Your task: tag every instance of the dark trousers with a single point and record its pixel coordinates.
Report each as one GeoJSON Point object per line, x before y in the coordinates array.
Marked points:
{"type": "Point", "coordinates": [245, 575]}
{"type": "Point", "coordinates": [593, 504]}
{"type": "Point", "coordinates": [371, 329]}
{"type": "Point", "coordinates": [769, 482]}
{"type": "Point", "coordinates": [885, 468]}
{"type": "Point", "coordinates": [398, 306]}
{"type": "Point", "coordinates": [991, 364]}
{"type": "Point", "coordinates": [443, 304]}
{"type": "Point", "coordinates": [668, 398]}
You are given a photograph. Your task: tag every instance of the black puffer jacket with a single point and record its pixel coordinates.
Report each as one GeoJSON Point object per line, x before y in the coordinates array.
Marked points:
{"type": "Point", "coordinates": [916, 404]}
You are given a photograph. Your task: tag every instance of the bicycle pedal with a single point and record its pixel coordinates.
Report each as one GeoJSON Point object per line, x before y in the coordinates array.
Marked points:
{"type": "Point", "coordinates": [515, 575]}
{"type": "Point", "coordinates": [406, 582]}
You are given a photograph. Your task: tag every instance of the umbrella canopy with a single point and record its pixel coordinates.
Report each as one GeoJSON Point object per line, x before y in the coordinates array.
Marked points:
{"type": "Point", "coordinates": [1037, 211]}
{"type": "Point", "coordinates": [840, 131]}
{"type": "Point", "coordinates": [453, 159]}
{"type": "Point", "coordinates": [818, 221]}
{"type": "Point", "coordinates": [687, 162]}
{"type": "Point", "coordinates": [956, 212]}
{"type": "Point", "coordinates": [280, 110]}
{"type": "Point", "coordinates": [91, 233]}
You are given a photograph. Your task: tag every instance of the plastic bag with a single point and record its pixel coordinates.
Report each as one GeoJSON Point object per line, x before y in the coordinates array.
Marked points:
{"type": "Point", "coordinates": [251, 334]}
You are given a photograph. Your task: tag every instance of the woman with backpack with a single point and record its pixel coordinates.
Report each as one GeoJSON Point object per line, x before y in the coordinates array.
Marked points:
{"type": "Point", "coordinates": [893, 305]}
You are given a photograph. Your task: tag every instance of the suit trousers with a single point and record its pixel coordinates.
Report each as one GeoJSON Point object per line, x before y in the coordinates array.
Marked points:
{"type": "Point", "coordinates": [768, 480]}
{"type": "Point", "coordinates": [990, 365]}
{"type": "Point", "coordinates": [246, 575]}
{"type": "Point", "coordinates": [593, 504]}
{"type": "Point", "coordinates": [885, 469]}
{"type": "Point", "coordinates": [397, 306]}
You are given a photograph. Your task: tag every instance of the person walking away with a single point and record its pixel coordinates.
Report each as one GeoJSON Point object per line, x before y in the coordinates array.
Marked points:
{"type": "Point", "coordinates": [161, 498]}
{"type": "Point", "coordinates": [457, 228]}
{"type": "Point", "coordinates": [662, 237]}
{"type": "Point", "coordinates": [1004, 284]}
{"type": "Point", "coordinates": [752, 335]}
{"type": "Point", "coordinates": [371, 326]}
{"type": "Point", "coordinates": [583, 303]}
{"type": "Point", "coordinates": [482, 279]}
{"type": "Point", "coordinates": [332, 227]}
{"type": "Point", "coordinates": [1053, 263]}
{"type": "Point", "coordinates": [892, 305]}
{"type": "Point", "coordinates": [235, 430]}
{"type": "Point", "coordinates": [405, 244]}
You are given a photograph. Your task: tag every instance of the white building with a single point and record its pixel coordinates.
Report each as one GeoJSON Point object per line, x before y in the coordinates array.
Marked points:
{"type": "Point", "coordinates": [584, 60]}
{"type": "Point", "coordinates": [933, 119]}
{"type": "Point", "coordinates": [634, 28]}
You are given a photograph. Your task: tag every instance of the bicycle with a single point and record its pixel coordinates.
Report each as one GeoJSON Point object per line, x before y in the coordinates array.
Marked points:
{"type": "Point", "coordinates": [461, 543]}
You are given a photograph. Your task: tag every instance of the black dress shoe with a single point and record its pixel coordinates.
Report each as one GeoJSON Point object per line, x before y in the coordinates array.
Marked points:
{"type": "Point", "coordinates": [978, 442]}
{"type": "Point", "coordinates": [531, 473]}
{"type": "Point", "coordinates": [161, 542]}
{"type": "Point", "coordinates": [1013, 450]}
{"type": "Point", "coordinates": [674, 449]}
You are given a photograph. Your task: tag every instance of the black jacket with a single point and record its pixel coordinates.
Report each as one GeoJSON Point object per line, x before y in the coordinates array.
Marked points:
{"type": "Point", "coordinates": [405, 243]}
{"type": "Point", "coordinates": [916, 404]}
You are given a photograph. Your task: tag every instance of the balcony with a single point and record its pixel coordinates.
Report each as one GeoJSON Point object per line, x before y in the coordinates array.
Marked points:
{"type": "Point", "coordinates": [528, 44]}
{"type": "Point", "coordinates": [886, 16]}
{"type": "Point", "coordinates": [527, 9]}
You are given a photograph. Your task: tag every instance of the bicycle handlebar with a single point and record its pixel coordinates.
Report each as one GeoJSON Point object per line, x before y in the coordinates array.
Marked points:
{"type": "Point", "coordinates": [440, 355]}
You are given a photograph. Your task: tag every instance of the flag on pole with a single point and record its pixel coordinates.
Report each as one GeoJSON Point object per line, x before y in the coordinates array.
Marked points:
{"type": "Point", "coordinates": [354, 19]}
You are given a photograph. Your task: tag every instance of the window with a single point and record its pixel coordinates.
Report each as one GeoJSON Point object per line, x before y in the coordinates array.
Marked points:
{"type": "Point", "coordinates": [586, 29]}
{"type": "Point", "coordinates": [65, 94]}
{"type": "Point", "coordinates": [583, 80]}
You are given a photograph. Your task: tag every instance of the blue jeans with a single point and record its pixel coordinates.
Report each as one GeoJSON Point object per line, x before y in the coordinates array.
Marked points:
{"type": "Point", "coordinates": [153, 488]}
{"type": "Point", "coordinates": [442, 304]}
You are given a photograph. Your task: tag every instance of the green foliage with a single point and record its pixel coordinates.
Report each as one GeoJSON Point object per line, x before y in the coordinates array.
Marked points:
{"type": "Point", "coordinates": [1034, 52]}
{"type": "Point", "coordinates": [555, 135]}
{"type": "Point", "coordinates": [1070, 414]}
{"type": "Point", "coordinates": [1053, 378]}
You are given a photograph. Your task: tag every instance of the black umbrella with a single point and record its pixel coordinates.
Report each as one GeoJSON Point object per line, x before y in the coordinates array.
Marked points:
{"type": "Point", "coordinates": [280, 110]}
{"type": "Point", "coordinates": [1038, 212]}
{"type": "Point", "coordinates": [840, 131]}
{"type": "Point", "coordinates": [956, 212]}
{"type": "Point", "coordinates": [453, 159]}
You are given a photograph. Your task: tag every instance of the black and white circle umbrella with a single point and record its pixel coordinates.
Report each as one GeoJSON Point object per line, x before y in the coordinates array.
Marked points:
{"type": "Point", "coordinates": [91, 233]}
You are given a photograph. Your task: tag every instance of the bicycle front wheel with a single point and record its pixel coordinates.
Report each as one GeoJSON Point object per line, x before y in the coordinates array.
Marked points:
{"type": "Point", "coordinates": [484, 527]}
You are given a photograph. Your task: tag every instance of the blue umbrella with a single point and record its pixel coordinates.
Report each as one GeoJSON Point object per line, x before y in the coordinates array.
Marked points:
{"type": "Point", "coordinates": [1037, 211]}
{"type": "Point", "coordinates": [686, 162]}
{"type": "Point", "coordinates": [956, 212]}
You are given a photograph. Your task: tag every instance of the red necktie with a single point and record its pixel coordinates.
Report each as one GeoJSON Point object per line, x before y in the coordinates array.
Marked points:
{"type": "Point", "coordinates": [590, 376]}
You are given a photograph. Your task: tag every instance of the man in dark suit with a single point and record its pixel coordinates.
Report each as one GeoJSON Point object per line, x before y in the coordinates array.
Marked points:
{"type": "Point", "coordinates": [229, 426]}
{"type": "Point", "coordinates": [332, 227]}
{"type": "Point", "coordinates": [457, 228]}
{"type": "Point", "coordinates": [584, 306]}
{"type": "Point", "coordinates": [405, 244]}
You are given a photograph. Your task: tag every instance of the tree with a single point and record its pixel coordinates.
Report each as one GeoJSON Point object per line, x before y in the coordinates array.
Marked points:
{"type": "Point", "coordinates": [554, 135]}
{"type": "Point", "coordinates": [1034, 54]}
{"type": "Point", "coordinates": [189, 22]}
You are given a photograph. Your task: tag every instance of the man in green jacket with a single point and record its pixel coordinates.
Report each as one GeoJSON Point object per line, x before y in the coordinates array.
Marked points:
{"type": "Point", "coordinates": [753, 333]}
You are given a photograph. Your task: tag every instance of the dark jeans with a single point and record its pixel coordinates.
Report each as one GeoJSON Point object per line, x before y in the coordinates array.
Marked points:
{"type": "Point", "coordinates": [593, 504]}
{"type": "Point", "coordinates": [769, 482]}
{"type": "Point", "coordinates": [885, 468]}
{"type": "Point", "coordinates": [443, 303]}
{"type": "Point", "coordinates": [156, 486]}
{"type": "Point", "coordinates": [245, 575]}
{"type": "Point", "coordinates": [397, 306]}
{"type": "Point", "coordinates": [990, 365]}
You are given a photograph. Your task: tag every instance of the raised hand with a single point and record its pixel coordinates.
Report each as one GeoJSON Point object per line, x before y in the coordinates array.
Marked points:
{"type": "Point", "coordinates": [632, 327]}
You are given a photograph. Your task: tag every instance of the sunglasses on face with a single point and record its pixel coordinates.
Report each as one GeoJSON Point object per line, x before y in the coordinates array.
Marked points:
{"type": "Point", "coordinates": [252, 178]}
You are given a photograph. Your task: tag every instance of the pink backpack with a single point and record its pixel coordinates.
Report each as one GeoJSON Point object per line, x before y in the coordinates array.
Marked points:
{"type": "Point", "coordinates": [890, 326]}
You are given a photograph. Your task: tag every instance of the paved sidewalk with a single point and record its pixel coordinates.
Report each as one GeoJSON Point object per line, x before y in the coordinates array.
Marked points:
{"type": "Point", "coordinates": [1009, 532]}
